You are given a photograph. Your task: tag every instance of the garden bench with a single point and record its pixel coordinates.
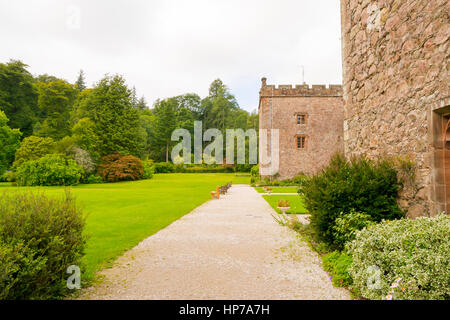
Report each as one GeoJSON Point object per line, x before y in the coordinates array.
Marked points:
{"type": "Point", "coordinates": [221, 190]}
{"type": "Point", "coordinates": [215, 194]}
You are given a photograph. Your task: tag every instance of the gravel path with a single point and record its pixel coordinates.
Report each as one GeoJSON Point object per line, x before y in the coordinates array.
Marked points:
{"type": "Point", "coordinates": [229, 248]}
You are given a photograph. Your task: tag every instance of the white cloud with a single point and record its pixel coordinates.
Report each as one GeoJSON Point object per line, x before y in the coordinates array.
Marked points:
{"type": "Point", "coordinates": [170, 47]}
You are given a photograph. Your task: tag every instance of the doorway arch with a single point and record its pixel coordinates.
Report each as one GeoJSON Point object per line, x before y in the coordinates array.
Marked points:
{"type": "Point", "coordinates": [446, 162]}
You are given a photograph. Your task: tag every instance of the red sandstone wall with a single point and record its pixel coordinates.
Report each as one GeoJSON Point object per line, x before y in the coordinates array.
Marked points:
{"type": "Point", "coordinates": [396, 85]}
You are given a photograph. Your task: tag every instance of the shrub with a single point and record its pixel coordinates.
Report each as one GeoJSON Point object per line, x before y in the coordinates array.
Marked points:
{"type": "Point", "coordinates": [298, 179]}
{"type": "Point", "coordinates": [243, 167]}
{"type": "Point", "coordinates": [337, 264]}
{"type": "Point", "coordinates": [164, 167]}
{"type": "Point", "coordinates": [346, 225]}
{"type": "Point", "coordinates": [83, 159]}
{"type": "Point", "coordinates": [93, 179]}
{"type": "Point", "coordinates": [9, 176]}
{"type": "Point", "coordinates": [51, 170]}
{"type": "Point", "coordinates": [254, 172]}
{"type": "Point", "coordinates": [416, 251]}
{"type": "Point", "coordinates": [39, 238]}
{"type": "Point", "coordinates": [33, 148]}
{"type": "Point", "coordinates": [116, 167]}
{"type": "Point", "coordinates": [180, 168]}
{"type": "Point", "coordinates": [149, 169]}
{"type": "Point", "coordinates": [359, 184]}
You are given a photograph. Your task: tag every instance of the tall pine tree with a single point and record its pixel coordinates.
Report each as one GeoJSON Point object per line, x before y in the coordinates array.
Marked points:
{"type": "Point", "coordinates": [81, 83]}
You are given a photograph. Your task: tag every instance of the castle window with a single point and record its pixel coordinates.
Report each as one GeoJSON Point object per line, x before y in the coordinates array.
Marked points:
{"type": "Point", "coordinates": [301, 119]}
{"type": "Point", "coordinates": [301, 142]}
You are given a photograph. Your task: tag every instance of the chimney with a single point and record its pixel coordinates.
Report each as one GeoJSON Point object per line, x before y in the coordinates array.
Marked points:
{"type": "Point", "coordinates": [264, 82]}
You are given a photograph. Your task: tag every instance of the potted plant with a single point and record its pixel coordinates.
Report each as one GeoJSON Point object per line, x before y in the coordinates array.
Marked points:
{"type": "Point", "coordinates": [268, 190]}
{"type": "Point", "coordinates": [283, 205]}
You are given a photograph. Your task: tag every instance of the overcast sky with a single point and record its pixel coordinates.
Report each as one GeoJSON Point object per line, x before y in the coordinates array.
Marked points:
{"type": "Point", "coordinates": [170, 47]}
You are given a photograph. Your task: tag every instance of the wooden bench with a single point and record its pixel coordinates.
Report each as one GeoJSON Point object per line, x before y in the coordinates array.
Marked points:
{"type": "Point", "coordinates": [221, 190]}
{"type": "Point", "coordinates": [215, 194]}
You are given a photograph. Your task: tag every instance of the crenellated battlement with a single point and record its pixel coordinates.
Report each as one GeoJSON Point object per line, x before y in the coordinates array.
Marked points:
{"type": "Point", "coordinates": [302, 90]}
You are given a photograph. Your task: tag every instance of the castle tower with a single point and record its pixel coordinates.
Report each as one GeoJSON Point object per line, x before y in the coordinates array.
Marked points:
{"type": "Point", "coordinates": [396, 92]}
{"type": "Point", "coordinates": [310, 124]}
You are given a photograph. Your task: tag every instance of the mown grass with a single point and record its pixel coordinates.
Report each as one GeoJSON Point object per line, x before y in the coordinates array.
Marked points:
{"type": "Point", "coordinates": [120, 215]}
{"type": "Point", "coordinates": [296, 202]}
{"type": "Point", "coordinates": [278, 189]}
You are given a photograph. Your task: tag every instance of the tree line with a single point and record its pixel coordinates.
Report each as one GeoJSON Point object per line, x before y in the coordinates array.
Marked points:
{"type": "Point", "coordinates": [105, 118]}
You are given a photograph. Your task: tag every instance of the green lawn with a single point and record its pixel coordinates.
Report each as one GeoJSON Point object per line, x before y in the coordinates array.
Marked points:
{"type": "Point", "coordinates": [278, 189]}
{"type": "Point", "coordinates": [120, 215]}
{"type": "Point", "coordinates": [296, 202]}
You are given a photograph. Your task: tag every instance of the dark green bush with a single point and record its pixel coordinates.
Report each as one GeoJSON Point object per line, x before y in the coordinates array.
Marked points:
{"type": "Point", "coordinates": [164, 167]}
{"type": "Point", "coordinates": [51, 170]}
{"type": "Point", "coordinates": [243, 167]}
{"type": "Point", "coordinates": [337, 264]}
{"type": "Point", "coordinates": [93, 179]}
{"type": "Point", "coordinates": [359, 184]}
{"type": "Point", "coordinates": [39, 238]}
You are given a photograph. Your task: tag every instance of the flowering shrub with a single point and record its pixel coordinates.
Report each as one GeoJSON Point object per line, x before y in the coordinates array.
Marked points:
{"type": "Point", "coordinates": [116, 167]}
{"type": "Point", "coordinates": [51, 170]}
{"type": "Point", "coordinates": [346, 225]}
{"type": "Point", "coordinates": [416, 251]}
{"type": "Point", "coordinates": [83, 159]}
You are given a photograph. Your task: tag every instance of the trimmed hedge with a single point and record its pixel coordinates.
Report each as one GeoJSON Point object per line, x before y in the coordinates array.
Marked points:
{"type": "Point", "coordinates": [51, 170]}
{"type": "Point", "coordinates": [169, 167]}
{"type": "Point", "coordinates": [164, 167]}
{"type": "Point", "coordinates": [403, 259]}
{"type": "Point", "coordinates": [209, 170]}
{"type": "Point", "coordinates": [39, 238]}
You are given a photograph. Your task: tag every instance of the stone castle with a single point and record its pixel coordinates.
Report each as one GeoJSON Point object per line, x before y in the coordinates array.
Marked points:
{"type": "Point", "coordinates": [309, 121]}
{"type": "Point", "coordinates": [395, 99]}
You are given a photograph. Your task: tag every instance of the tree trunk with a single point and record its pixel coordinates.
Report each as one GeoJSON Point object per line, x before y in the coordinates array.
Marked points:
{"type": "Point", "coordinates": [167, 152]}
